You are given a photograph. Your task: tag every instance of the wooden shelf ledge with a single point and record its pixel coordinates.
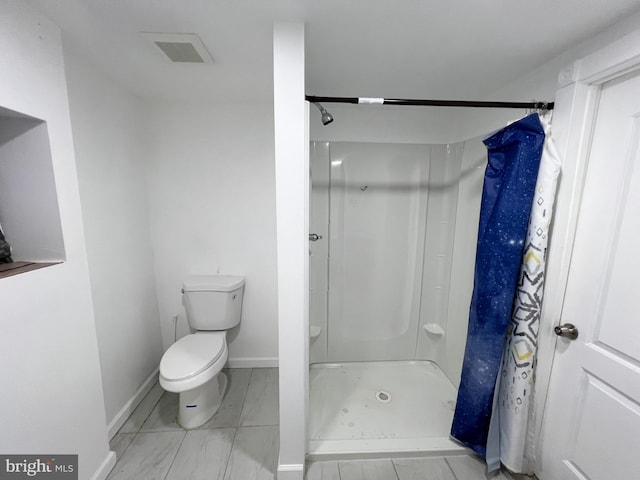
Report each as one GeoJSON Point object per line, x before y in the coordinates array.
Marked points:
{"type": "Point", "coordinates": [15, 268]}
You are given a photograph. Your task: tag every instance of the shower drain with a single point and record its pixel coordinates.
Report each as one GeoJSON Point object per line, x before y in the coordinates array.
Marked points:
{"type": "Point", "coordinates": [382, 396]}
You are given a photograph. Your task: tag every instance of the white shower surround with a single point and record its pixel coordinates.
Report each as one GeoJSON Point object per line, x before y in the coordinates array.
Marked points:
{"type": "Point", "coordinates": [399, 225]}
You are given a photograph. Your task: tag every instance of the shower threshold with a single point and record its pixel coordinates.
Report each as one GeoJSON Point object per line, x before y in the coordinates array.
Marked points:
{"type": "Point", "coordinates": [380, 409]}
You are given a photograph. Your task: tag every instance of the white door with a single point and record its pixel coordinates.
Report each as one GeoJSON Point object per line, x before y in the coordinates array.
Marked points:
{"type": "Point", "coordinates": [592, 416]}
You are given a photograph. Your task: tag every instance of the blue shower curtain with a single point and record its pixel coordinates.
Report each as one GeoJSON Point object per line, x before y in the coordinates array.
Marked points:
{"type": "Point", "coordinates": [510, 178]}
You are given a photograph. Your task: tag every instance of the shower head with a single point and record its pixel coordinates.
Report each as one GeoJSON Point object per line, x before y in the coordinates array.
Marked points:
{"type": "Point", "coordinates": [327, 118]}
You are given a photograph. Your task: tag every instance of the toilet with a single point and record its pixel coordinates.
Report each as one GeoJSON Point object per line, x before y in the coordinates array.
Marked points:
{"type": "Point", "coordinates": [193, 365]}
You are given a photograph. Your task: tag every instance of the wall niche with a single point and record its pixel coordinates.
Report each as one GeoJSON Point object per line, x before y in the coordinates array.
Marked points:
{"type": "Point", "coordinates": [29, 215]}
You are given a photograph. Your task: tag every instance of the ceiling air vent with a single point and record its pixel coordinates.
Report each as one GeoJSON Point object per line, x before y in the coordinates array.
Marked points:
{"type": "Point", "coordinates": [180, 47]}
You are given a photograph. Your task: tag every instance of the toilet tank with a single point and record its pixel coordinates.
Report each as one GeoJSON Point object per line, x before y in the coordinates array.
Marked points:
{"type": "Point", "coordinates": [213, 302]}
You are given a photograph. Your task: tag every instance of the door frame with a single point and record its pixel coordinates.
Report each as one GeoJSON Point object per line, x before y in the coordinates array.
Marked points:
{"type": "Point", "coordinates": [575, 113]}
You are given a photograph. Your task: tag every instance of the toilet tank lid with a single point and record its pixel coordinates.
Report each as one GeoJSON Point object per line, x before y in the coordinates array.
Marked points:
{"type": "Point", "coordinates": [212, 283]}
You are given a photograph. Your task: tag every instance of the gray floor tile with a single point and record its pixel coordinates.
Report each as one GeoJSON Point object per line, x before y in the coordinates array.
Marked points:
{"type": "Point", "coordinates": [423, 469]}
{"type": "Point", "coordinates": [467, 467]}
{"type": "Point", "coordinates": [142, 411]}
{"type": "Point", "coordinates": [261, 402]}
{"type": "Point", "coordinates": [120, 442]}
{"type": "Point", "coordinates": [148, 457]}
{"type": "Point", "coordinates": [254, 455]}
{"type": "Point", "coordinates": [514, 476]}
{"type": "Point", "coordinates": [164, 416]}
{"type": "Point", "coordinates": [229, 413]}
{"type": "Point", "coordinates": [381, 469]}
{"type": "Point", "coordinates": [203, 455]}
{"type": "Point", "coordinates": [322, 471]}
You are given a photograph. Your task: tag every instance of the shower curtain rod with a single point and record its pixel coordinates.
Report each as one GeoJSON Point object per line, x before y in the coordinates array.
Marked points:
{"type": "Point", "coordinates": [431, 103]}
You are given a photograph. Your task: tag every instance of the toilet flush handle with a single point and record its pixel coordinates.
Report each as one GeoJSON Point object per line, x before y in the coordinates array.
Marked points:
{"type": "Point", "coordinates": [314, 237]}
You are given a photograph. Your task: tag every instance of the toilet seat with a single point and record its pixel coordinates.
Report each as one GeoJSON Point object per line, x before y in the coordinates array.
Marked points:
{"type": "Point", "coordinates": [193, 360]}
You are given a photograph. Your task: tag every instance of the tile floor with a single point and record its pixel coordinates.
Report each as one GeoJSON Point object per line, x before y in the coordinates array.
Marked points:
{"type": "Point", "coordinates": [240, 442]}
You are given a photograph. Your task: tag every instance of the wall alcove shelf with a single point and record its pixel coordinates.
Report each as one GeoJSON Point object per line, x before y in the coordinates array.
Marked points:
{"type": "Point", "coordinates": [29, 215]}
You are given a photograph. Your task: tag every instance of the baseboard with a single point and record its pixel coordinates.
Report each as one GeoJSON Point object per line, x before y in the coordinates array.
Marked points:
{"type": "Point", "coordinates": [252, 362]}
{"type": "Point", "coordinates": [290, 472]}
{"type": "Point", "coordinates": [105, 468]}
{"type": "Point", "coordinates": [124, 413]}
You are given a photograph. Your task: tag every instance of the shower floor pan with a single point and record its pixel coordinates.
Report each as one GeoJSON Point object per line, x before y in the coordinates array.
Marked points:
{"type": "Point", "coordinates": [380, 409]}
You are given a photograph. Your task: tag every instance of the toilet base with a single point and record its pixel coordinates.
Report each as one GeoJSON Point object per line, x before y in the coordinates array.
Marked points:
{"type": "Point", "coordinates": [197, 406]}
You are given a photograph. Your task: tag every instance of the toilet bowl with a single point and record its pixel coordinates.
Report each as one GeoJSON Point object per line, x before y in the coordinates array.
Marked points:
{"type": "Point", "coordinates": [188, 367]}
{"type": "Point", "coordinates": [192, 367]}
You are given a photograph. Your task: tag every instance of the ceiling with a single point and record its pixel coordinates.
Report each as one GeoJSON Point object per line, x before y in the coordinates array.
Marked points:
{"type": "Point", "coordinates": [462, 49]}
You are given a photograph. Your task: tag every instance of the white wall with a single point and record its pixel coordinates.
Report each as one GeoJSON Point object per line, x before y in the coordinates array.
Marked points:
{"type": "Point", "coordinates": [212, 210]}
{"type": "Point", "coordinates": [110, 153]}
{"type": "Point", "coordinates": [397, 124]}
{"type": "Point", "coordinates": [291, 136]}
{"type": "Point", "coordinates": [389, 124]}
{"type": "Point", "coordinates": [541, 82]}
{"type": "Point", "coordinates": [52, 396]}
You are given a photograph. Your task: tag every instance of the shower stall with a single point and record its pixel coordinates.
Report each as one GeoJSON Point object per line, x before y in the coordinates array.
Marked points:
{"type": "Point", "coordinates": [393, 231]}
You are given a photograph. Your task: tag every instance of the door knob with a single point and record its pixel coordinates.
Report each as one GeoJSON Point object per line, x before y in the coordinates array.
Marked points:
{"type": "Point", "coordinates": [568, 330]}
{"type": "Point", "coordinates": [314, 237]}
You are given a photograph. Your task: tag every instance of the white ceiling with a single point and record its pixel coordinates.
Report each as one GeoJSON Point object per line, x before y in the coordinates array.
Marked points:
{"type": "Point", "coordinates": [460, 49]}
